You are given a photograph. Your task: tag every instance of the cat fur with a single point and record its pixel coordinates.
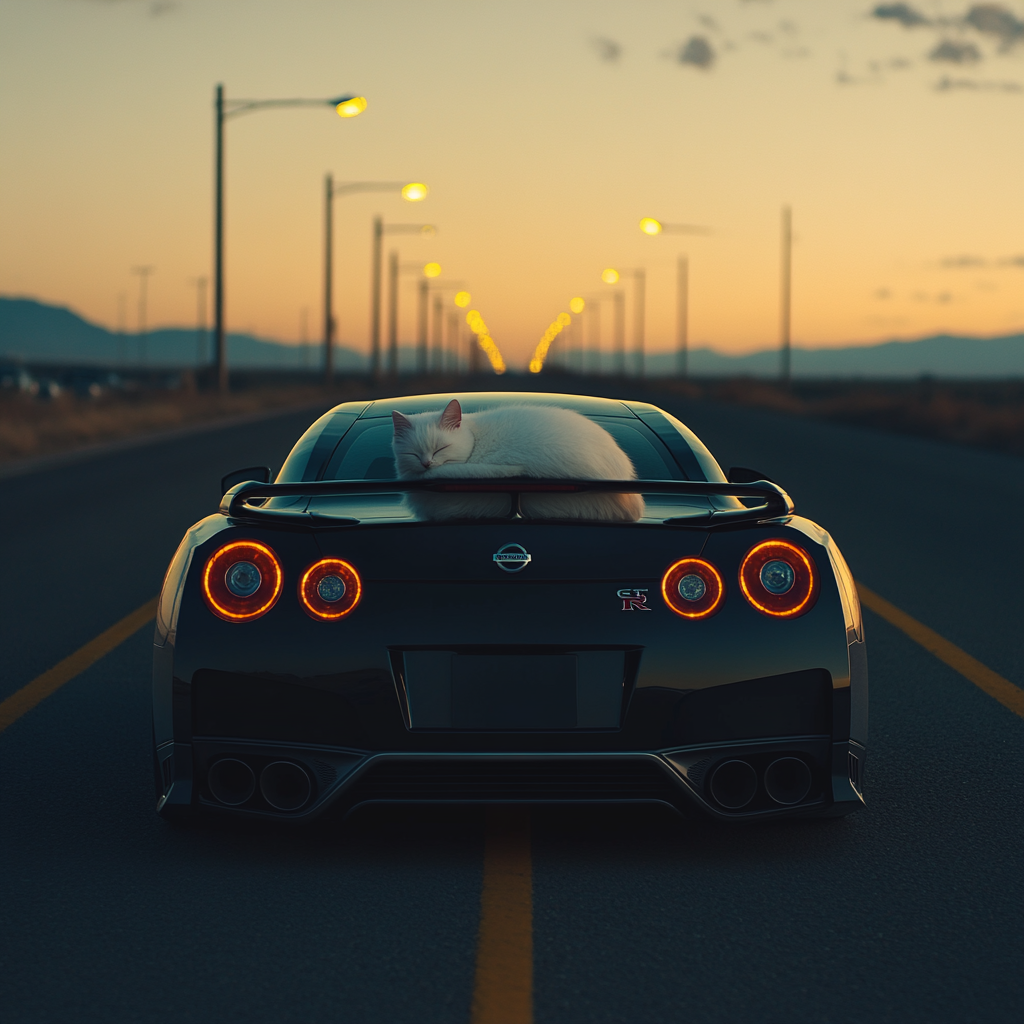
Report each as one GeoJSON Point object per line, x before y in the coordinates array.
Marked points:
{"type": "Point", "coordinates": [532, 441]}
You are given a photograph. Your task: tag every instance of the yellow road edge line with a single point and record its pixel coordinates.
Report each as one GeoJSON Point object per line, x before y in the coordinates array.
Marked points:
{"type": "Point", "coordinates": [982, 676]}
{"type": "Point", "coordinates": [503, 985]}
{"type": "Point", "coordinates": [64, 671]}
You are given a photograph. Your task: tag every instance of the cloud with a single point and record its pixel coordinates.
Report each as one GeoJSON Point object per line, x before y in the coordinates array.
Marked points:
{"type": "Point", "coordinates": [882, 294]}
{"type": "Point", "coordinates": [1012, 261]}
{"type": "Point", "coordinates": [952, 51]}
{"type": "Point", "coordinates": [158, 7]}
{"type": "Point", "coordinates": [696, 51]}
{"type": "Point", "coordinates": [947, 84]}
{"type": "Point", "coordinates": [995, 20]}
{"type": "Point", "coordinates": [959, 262]}
{"type": "Point", "coordinates": [903, 14]}
{"type": "Point", "coordinates": [607, 49]}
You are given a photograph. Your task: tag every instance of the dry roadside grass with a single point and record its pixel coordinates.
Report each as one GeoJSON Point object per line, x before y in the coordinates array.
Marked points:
{"type": "Point", "coordinates": [983, 414]}
{"type": "Point", "coordinates": [30, 427]}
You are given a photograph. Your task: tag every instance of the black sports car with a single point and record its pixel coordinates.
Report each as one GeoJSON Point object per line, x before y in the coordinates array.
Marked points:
{"type": "Point", "coordinates": [318, 646]}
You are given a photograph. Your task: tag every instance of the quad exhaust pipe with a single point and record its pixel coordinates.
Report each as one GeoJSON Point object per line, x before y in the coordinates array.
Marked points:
{"type": "Point", "coordinates": [733, 784]}
{"type": "Point", "coordinates": [284, 785]}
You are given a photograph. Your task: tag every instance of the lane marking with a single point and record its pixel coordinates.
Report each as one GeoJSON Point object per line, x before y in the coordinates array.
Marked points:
{"type": "Point", "coordinates": [503, 986]}
{"type": "Point", "coordinates": [982, 676]}
{"type": "Point", "coordinates": [64, 671]}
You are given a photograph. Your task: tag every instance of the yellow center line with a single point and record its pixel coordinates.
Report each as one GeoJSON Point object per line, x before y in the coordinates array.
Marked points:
{"type": "Point", "coordinates": [54, 678]}
{"type": "Point", "coordinates": [503, 986]}
{"type": "Point", "coordinates": [982, 676]}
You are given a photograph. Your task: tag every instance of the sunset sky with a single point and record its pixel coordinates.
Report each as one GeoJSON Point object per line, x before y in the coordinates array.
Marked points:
{"type": "Point", "coordinates": [545, 131]}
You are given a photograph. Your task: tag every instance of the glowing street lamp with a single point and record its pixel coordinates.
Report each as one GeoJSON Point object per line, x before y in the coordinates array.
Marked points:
{"type": "Point", "coordinates": [462, 299]}
{"type": "Point", "coordinates": [413, 192]}
{"type": "Point", "coordinates": [346, 106]}
{"type": "Point", "coordinates": [576, 305]}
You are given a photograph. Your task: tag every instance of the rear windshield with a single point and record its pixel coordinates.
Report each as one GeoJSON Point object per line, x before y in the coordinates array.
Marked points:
{"type": "Point", "coordinates": [365, 452]}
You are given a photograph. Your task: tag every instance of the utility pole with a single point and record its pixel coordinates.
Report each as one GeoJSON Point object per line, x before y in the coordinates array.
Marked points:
{"type": "Point", "coordinates": [594, 309]}
{"type": "Point", "coordinates": [639, 308]}
{"type": "Point", "coordinates": [682, 316]}
{"type": "Point", "coordinates": [393, 313]}
{"type": "Point", "coordinates": [787, 250]}
{"type": "Point", "coordinates": [200, 283]}
{"type": "Point", "coordinates": [143, 273]}
{"type": "Point", "coordinates": [421, 338]}
{"type": "Point", "coordinates": [453, 341]}
{"type": "Point", "coordinates": [328, 280]}
{"type": "Point", "coordinates": [219, 344]}
{"type": "Point", "coordinates": [620, 333]}
{"type": "Point", "coordinates": [121, 326]}
{"type": "Point", "coordinates": [438, 325]}
{"type": "Point", "coordinates": [378, 236]}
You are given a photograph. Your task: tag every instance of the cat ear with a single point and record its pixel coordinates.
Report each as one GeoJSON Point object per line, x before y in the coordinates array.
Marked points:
{"type": "Point", "coordinates": [451, 418]}
{"type": "Point", "coordinates": [402, 423]}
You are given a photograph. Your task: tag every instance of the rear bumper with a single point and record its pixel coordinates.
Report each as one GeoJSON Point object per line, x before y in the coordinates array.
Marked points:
{"type": "Point", "coordinates": [685, 779]}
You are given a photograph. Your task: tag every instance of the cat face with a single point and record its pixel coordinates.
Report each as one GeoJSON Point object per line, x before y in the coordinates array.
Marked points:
{"type": "Point", "coordinates": [427, 440]}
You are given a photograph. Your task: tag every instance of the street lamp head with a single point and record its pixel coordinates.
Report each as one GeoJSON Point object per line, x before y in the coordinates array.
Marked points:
{"type": "Point", "coordinates": [576, 305]}
{"type": "Point", "coordinates": [462, 299]}
{"type": "Point", "coordinates": [414, 192]}
{"type": "Point", "coordinates": [650, 226]}
{"type": "Point", "coordinates": [349, 106]}
{"type": "Point", "coordinates": [432, 270]}
{"type": "Point", "coordinates": [610, 276]}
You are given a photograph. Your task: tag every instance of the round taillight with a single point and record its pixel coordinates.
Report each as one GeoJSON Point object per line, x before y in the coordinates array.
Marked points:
{"type": "Point", "coordinates": [242, 581]}
{"type": "Point", "coordinates": [693, 588]}
{"type": "Point", "coordinates": [330, 589]}
{"type": "Point", "coordinates": [779, 578]}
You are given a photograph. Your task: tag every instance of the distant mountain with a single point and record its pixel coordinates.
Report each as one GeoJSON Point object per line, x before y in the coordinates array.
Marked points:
{"type": "Point", "coordinates": [39, 333]}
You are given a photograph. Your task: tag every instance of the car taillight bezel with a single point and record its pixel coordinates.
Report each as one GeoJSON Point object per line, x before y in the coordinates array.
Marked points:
{"type": "Point", "coordinates": [709, 603]}
{"type": "Point", "coordinates": [230, 607]}
{"type": "Point", "coordinates": [796, 601]}
{"type": "Point", "coordinates": [314, 605]}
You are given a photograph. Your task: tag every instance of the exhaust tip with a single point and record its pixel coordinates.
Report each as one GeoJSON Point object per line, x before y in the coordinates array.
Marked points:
{"type": "Point", "coordinates": [733, 784]}
{"type": "Point", "coordinates": [787, 780]}
{"type": "Point", "coordinates": [285, 786]}
{"type": "Point", "coordinates": [231, 781]}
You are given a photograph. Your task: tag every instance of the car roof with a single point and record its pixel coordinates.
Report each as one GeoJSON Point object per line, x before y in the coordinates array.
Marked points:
{"type": "Point", "coordinates": [478, 401]}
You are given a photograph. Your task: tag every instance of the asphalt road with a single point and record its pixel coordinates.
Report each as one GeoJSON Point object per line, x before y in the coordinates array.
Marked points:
{"type": "Point", "coordinates": [908, 911]}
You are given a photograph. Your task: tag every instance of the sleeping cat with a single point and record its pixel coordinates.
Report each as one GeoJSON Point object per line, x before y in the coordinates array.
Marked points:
{"type": "Point", "coordinates": [538, 441]}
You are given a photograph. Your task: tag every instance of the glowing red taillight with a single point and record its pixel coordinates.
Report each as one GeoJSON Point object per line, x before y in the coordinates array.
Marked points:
{"type": "Point", "coordinates": [693, 588]}
{"type": "Point", "coordinates": [330, 589]}
{"type": "Point", "coordinates": [779, 579]}
{"type": "Point", "coordinates": [242, 581]}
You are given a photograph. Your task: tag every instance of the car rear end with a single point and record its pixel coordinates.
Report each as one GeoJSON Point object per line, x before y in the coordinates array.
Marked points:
{"type": "Point", "coordinates": [390, 659]}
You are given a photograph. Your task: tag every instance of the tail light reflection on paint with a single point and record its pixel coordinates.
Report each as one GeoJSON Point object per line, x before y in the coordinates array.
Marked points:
{"type": "Point", "coordinates": [779, 579]}
{"type": "Point", "coordinates": [693, 588]}
{"type": "Point", "coordinates": [330, 589]}
{"type": "Point", "coordinates": [242, 581]}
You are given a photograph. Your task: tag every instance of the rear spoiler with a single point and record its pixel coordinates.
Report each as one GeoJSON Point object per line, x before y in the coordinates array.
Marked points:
{"type": "Point", "coordinates": [773, 500]}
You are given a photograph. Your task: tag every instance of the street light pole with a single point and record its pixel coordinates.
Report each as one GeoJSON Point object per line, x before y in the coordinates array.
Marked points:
{"type": "Point", "coordinates": [328, 279]}
{"type": "Point", "coordinates": [393, 313]}
{"type": "Point", "coordinates": [651, 226]}
{"type": "Point", "coordinates": [421, 334]}
{"type": "Point", "coordinates": [682, 315]}
{"type": "Point", "coordinates": [143, 273]}
{"type": "Point", "coordinates": [639, 318]}
{"type": "Point", "coordinates": [787, 248]}
{"type": "Point", "coordinates": [346, 106]}
{"type": "Point", "coordinates": [620, 332]}
{"type": "Point", "coordinates": [378, 237]}
{"type": "Point", "coordinates": [219, 347]}
{"type": "Point", "coordinates": [412, 192]}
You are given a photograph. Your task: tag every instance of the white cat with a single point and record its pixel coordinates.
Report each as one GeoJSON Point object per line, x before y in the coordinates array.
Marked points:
{"type": "Point", "coordinates": [521, 440]}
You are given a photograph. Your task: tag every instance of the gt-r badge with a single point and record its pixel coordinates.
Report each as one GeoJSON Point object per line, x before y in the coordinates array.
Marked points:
{"type": "Point", "coordinates": [512, 557]}
{"type": "Point", "coordinates": [634, 600]}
